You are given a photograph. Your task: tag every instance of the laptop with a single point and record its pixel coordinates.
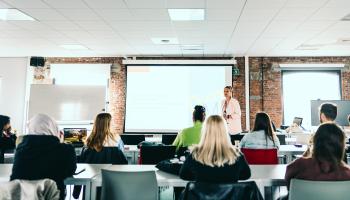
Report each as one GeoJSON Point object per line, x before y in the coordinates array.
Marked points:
{"type": "Point", "coordinates": [75, 136]}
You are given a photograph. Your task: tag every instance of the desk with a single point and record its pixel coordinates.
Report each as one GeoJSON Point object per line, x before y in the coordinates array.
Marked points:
{"type": "Point", "coordinates": [132, 153]}
{"type": "Point", "coordinates": [290, 150]}
{"type": "Point", "coordinates": [5, 172]}
{"type": "Point", "coordinates": [263, 175]}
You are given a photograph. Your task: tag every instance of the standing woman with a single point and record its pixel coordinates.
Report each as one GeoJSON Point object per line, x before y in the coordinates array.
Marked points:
{"type": "Point", "coordinates": [7, 139]}
{"type": "Point", "coordinates": [231, 111]}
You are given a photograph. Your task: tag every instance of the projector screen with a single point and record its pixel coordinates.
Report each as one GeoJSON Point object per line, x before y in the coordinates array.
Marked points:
{"type": "Point", "coordinates": [161, 99]}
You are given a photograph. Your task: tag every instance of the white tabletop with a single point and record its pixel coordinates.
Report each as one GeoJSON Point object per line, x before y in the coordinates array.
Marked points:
{"type": "Point", "coordinates": [266, 174]}
{"type": "Point", "coordinates": [292, 149]}
{"type": "Point", "coordinates": [130, 148]}
{"type": "Point", "coordinates": [5, 172]}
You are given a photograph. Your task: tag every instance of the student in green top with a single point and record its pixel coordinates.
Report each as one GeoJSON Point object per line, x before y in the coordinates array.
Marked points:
{"type": "Point", "coordinates": [191, 135]}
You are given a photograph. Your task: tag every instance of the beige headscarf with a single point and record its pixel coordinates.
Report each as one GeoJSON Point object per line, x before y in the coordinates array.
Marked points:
{"type": "Point", "coordinates": [42, 124]}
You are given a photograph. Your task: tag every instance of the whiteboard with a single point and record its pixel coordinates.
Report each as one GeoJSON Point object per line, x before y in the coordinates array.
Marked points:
{"type": "Point", "coordinates": [67, 102]}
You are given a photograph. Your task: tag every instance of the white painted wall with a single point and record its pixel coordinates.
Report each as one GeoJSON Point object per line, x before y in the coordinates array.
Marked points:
{"type": "Point", "coordinates": [12, 89]}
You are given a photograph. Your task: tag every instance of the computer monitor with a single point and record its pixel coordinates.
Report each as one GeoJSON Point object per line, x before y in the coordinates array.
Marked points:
{"type": "Point", "coordinates": [75, 135]}
{"type": "Point", "coordinates": [298, 121]}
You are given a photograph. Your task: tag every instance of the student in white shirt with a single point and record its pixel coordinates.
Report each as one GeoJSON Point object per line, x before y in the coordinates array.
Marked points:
{"type": "Point", "coordinates": [262, 135]}
{"type": "Point", "coordinates": [231, 111]}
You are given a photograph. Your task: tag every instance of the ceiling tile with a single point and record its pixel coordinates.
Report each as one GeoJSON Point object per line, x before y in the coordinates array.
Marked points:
{"type": "Point", "coordinates": [105, 4]}
{"type": "Point", "coordinates": [145, 4]}
{"type": "Point", "coordinates": [94, 25]}
{"type": "Point", "coordinates": [223, 14]}
{"type": "Point", "coordinates": [186, 4]}
{"type": "Point", "coordinates": [151, 14]}
{"type": "Point", "coordinates": [225, 4]}
{"type": "Point", "coordinates": [69, 4]}
{"type": "Point", "coordinates": [79, 14]}
{"type": "Point", "coordinates": [304, 4]}
{"type": "Point", "coordinates": [26, 4]}
{"type": "Point", "coordinates": [115, 14]}
{"type": "Point", "coordinates": [43, 14]}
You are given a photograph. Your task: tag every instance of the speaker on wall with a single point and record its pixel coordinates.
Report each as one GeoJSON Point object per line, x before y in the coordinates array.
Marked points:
{"type": "Point", "coordinates": [37, 61]}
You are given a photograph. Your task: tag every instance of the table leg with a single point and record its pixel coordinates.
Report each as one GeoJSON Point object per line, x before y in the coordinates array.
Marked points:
{"type": "Point", "coordinates": [93, 191]}
{"type": "Point", "coordinates": [88, 191]}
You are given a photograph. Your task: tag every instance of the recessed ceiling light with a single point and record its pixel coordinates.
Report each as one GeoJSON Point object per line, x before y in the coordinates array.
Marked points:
{"type": "Point", "coordinates": [186, 14]}
{"type": "Point", "coordinates": [74, 47]}
{"type": "Point", "coordinates": [165, 41]}
{"type": "Point", "coordinates": [13, 14]}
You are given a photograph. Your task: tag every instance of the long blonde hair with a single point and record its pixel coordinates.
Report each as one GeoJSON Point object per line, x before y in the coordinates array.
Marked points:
{"type": "Point", "coordinates": [215, 147]}
{"type": "Point", "coordinates": [100, 132]}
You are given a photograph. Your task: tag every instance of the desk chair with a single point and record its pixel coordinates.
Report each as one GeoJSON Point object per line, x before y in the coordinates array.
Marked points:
{"type": "Point", "coordinates": [208, 191]}
{"type": "Point", "coordinates": [236, 137]}
{"type": "Point", "coordinates": [168, 139]}
{"type": "Point", "coordinates": [155, 154]}
{"type": "Point", "coordinates": [320, 190]}
{"type": "Point", "coordinates": [132, 139]}
{"type": "Point", "coordinates": [129, 185]}
{"type": "Point", "coordinates": [282, 138]}
{"type": "Point", "coordinates": [260, 156]}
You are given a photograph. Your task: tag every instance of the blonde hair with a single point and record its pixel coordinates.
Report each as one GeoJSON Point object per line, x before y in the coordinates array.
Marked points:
{"type": "Point", "coordinates": [100, 132]}
{"type": "Point", "coordinates": [215, 147]}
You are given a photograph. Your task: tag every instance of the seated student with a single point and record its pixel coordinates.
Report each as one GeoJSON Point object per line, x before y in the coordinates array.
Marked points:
{"type": "Point", "coordinates": [41, 154]}
{"type": "Point", "coordinates": [215, 159]}
{"type": "Point", "coordinates": [326, 160]}
{"type": "Point", "coordinates": [262, 135]}
{"type": "Point", "coordinates": [101, 135]}
{"type": "Point", "coordinates": [327, 113]}
{"type": "Point", "coordinates": [7, 139]}
{"type": "Point", "coordinates": [191, 135]}
{"type": "Point", "coordinates": [102, 146]}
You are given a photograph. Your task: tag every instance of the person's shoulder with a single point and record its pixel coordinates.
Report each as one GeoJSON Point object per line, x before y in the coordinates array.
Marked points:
{"type": "Point", "coordinates": [301, 162]}
{"type": "Point", "coordinates": [67, 148]}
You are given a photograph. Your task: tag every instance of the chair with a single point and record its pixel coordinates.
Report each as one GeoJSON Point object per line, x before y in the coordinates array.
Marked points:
{"type": "Point", "coordinates": [282, 138]}
{"type": "Point", "coordinates": [168, 139]}
{"type": "Point", "coordinates": [236, 137]}
{"type": "Point", "coordinates": [227, 191]}
{"type": "Point", "coordinates": [132, 139]}
{"type": "Point", "coordinates": [318, 190]}
{"type": "Point", "coordinates": [260, 156]}
{"type": "Point", "coordinates": [122, 185]}
{"type": "Point", "coordinates": [155, 154]}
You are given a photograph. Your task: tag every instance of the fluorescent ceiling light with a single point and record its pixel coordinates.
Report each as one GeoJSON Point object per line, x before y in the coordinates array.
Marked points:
{"type": "Point", "coordinates": [186, 14]}
{"type": "Point", "coordinates": [74, 47]}
{"type": "Point", "coordinates": [11, 14]}
{"type": "Point", "coordinates": [165, 41]}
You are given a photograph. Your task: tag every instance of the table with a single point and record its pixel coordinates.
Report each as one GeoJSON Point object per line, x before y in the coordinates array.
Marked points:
{"type": "Point", "coordinates": [290, 150]}
{"type": "Point", "coordinates": [132, 152]}
{"type": "Point", "coordinates": [84, 178]}
{"type": "Point", "coordinates": [264, 175]}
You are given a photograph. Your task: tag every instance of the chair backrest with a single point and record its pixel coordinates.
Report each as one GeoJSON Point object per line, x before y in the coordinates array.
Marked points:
{"type": "Point", "coordinates": [108, 155]}
{"type": "Point", "coordinates": [233, 191]}
{"type": "Point", "coordinates": [320, 190]}
{"type": "Point", "coordinates": [155, 154]}
{"type": "Point", "coordinates": [236, 137]}
{"type": "Point", "coordinates": [136, 185]}
{"type": "Point", "coordinates": [282, 138]}
{"type": "Point", "coordinates": [132, 139]}
{"type": "Point", "coordinates": [260, 156]}
{"type": "Point", "coordinates": [168, 139]}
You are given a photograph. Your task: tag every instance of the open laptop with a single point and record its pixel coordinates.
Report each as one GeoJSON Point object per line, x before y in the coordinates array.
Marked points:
{"type": "Point", "coordinates": [75, 136]}
{"type": "Point", "coordinates": [298, 121]}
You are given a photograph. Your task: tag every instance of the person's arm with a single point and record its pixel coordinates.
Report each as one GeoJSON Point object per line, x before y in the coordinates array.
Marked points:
{"type": "Point", "coordinates": [121, 145]}
{"type": "Point", "coordinates": [277, 141]}
{"type": "Point", "coordinates": [291, 171]}
{"type": "Point", "coordinates": [236, 110]}
{"type": "Point", "coordinates": [244, 173]}
{"type": "Point", "coordinates": [178, 141]}
{"type": "Point", "coordinates": [71, 161]}
{"type": "Point", "coordinates": [186, 169]}
{"type": "Point", "coordinates": [243, 141]}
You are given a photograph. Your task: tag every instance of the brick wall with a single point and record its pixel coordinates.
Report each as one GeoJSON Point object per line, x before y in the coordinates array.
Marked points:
{"type": "Point", "coordinates": [266, 90]}
{"type": "Point", "coordinates": [265, 84]}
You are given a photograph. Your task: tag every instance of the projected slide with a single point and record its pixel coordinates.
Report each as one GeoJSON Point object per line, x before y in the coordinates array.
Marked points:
{"type": "Point", "coordinates": [161, 98]}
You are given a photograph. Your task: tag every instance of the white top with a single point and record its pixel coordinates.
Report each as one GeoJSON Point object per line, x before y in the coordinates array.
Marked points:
{"type": "Point", "coordinates": [232, 109]}
{"type": "Point", "coordinates": [257, 140]}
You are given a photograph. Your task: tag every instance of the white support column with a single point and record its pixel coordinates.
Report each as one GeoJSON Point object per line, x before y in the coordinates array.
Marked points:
{"type": "Point", "coordinates": [247, 105]}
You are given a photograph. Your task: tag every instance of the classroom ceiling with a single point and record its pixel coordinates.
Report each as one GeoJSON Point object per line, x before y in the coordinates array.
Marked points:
{"type": "Point", "coordinates": [126, 28]}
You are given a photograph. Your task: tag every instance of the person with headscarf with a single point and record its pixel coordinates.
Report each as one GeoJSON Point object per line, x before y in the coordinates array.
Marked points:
{"type": "Point", "coordinates": [41, 154]}
{"type": "Point", "coordinates": [7, 138]}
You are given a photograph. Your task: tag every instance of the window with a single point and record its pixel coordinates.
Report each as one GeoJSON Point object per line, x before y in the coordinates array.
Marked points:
{"type": "Point", "coordinates": [300, 87]}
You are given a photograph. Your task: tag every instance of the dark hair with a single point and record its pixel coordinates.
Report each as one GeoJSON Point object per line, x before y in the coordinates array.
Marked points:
{"type": "Point", "coordinates": [229, 87]}
{"type": "Point", "coordinates": [198, 113]}
{"type": "Point", "coordinates": [263, 122]}
{"type": "Point", "coordinates": [329, 110]}
{"type": "Point", "coordinates": [3, 121]}
{"type": "Point", "coordinates": [329, 145]}
{"type": "Point", "coordinates": [349, 118]}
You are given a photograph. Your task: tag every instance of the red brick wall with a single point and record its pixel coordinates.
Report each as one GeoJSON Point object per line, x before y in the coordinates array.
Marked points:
{"type": "Point", "coordinates": [271, 97]}
{"type": "Point", "coordinates": [265, 84]}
